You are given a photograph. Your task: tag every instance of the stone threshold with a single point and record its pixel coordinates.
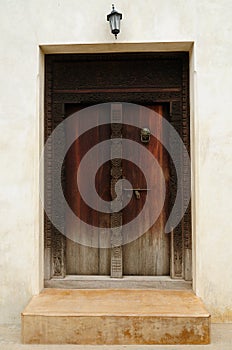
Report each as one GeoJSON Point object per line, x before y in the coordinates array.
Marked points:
{"type": "Point", "coordinates": [127, 282]}
{"type": "Point", "coordinates": [115, 316]}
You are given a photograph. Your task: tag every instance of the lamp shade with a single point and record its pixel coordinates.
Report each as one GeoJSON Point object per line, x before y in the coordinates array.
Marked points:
{"type": "Point", "coordinates": [114, 18]}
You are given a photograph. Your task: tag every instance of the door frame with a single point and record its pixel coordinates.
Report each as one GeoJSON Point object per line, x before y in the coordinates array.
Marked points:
{"type": "Point", "coordinates": [178, 100]}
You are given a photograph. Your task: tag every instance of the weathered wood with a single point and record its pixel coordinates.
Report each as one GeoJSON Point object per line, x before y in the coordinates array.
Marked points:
{"type": "Point", "coordinates": [149, 254]}
{"type": "Point", "coordinates": [188, 265]}
{"type": "Point", "coordinates": [96, 90]}
{"type": "Point", "coordinates": [187, 228]}
{"type": "Point", "coordinates": [81, 258]}
{"type": "Point", "coordinates": [48, 228]}
{"type": "Point", "coordinates": [178, 237]}
{"type": "Point", "coordinates": [153, 78]}
{"type": "Point", "coordinates": [58, 267]}
{"type": "Point", "coordinates": [172, 264]}
{"type": "Point", "coordinates": [116, 174]}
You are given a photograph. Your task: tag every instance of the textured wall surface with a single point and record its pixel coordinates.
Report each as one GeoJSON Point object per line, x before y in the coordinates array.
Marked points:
{"type": "Point", "coordinates": [25, 25]}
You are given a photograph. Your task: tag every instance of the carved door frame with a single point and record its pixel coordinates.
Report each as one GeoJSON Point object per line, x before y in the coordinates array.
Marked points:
{"type": "Point", "coordinates": [176, 96]}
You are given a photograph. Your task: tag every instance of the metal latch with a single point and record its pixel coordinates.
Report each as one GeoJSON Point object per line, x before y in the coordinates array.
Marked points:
{"type": "Point", "coordinates": [137, 191]}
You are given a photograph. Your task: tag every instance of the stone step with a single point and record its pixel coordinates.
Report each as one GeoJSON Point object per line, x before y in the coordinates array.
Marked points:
{"type": "Point", "coordinates": [115, 316]}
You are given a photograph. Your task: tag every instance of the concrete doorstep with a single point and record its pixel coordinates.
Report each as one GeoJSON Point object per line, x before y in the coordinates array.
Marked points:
{"type": "Point", "coordinates": [221, 339]}
{"type": "Point", "coordinates": [115, 317]}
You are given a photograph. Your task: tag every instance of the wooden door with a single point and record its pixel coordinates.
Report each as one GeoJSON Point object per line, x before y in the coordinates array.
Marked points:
{"type": "Point", "coordinates": [90, 79]}
{"type": "Point", "coordinates": [148, 254]}
{"type": "Point", "coordinates": [81, 259]}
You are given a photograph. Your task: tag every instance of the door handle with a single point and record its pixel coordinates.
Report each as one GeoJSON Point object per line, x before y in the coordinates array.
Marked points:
{"type": "Point", "coordinates": [137, 194]}
{"type": "Point", "coordinates": [137, 191]}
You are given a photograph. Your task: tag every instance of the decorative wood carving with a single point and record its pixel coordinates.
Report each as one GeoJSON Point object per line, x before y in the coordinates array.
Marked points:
{"type": "Point", "coordinates": [177, 239]}
{"type": "Point", "coordinates": [116, 173]}
{"type": "Point", "coordinates": [158, 77]}
{"type": "Point", "coordinates": [128, 71]}
{"type": "Point", "coordinates": [133, 97]}
{"type": "Point", "coordinates": [54, 240]}
{"type": "Point", "coordinates": [186, 178]}
{"type": "Point", "coordinates": [47, 175]}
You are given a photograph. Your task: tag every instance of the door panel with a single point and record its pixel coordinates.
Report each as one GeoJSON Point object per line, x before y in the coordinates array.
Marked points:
{"type": "Point", "coordinates": [81, 259]}
{"type": "Point", "coordinates": [147, 255]}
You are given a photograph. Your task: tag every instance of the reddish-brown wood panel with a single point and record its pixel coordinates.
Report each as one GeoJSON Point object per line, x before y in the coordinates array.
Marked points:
{"type": "Point", "coordinates": [82, 259]}
{"type": "Point", "coordinates": [148, 254]}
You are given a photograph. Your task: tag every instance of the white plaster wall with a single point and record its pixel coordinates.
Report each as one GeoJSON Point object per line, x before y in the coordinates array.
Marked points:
{"type": "Point", "coordinates": [26, 24]}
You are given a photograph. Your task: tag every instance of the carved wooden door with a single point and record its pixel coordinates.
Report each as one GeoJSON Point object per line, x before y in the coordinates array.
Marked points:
{"type": "Point", "coordinates": [159, 81]}
{"type": "Point", "coordinates": [146, 254]}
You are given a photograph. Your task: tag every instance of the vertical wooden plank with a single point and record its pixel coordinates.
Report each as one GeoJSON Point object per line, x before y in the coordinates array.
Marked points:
{"type": "Point", "coordinates": [149, 254]}
{"type": "Point", "coordinates": [103, 188]}
{"type": "Point", "coordinates": [177, 233]}
{"type": "Point", "coordinates": [172, 259]}
{"type": "Point", "coordinates": [188, 265]}
{"type": "Point", "coordinates": [82, 259]}
{"type": "Point", "coordinates": [187, 231]}
{"type": "Point", "coordinates": [47, 173]}
{"type": "Point", "coordinates": [58, 212]}
{"type": "Point", "coordinates": [116, 174]}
